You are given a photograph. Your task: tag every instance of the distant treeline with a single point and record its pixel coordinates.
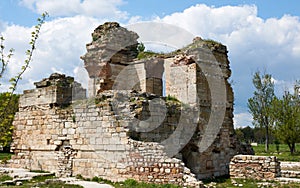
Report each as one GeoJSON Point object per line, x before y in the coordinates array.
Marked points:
{"type": "Point", "coordinates": [254, 134]}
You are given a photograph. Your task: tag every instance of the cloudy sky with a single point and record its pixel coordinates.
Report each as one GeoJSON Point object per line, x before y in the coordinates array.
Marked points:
{"type": "Point", "coordinates": [260, 35]}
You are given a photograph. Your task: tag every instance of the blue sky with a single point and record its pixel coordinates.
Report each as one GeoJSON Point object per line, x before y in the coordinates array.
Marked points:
{"type": "Point", "coordinates": [266, 8]}
{"type": "Point", "coordinates": [13, 12]}
{"type": "Point", "coordinates": [260, 35]}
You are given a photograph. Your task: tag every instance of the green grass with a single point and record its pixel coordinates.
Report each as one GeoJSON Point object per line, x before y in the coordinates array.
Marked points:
{"type": "Point", "coordinates": [130, 183]}
{"type": "Point", "coordinates": [283, 154]}
{"type": "Point", "coordinates": [5, 156]}
{"type": "Point", "coordinates": [38, 181]}
{"type": "Point", "coordinates": [48, 185]}
{"type": "Point", "coordinates": [39, 171]}
{"type": "Point", "coordinates": [134, 184]}
{"type": "Point", "coordinates": [224, 182]}
{"type": "Point", "coordinates": [221, 182]}
{"type": "Point", "coordinates": [5, 177]}
{"type": "Point", "coordinates": [59, 185]}
{"type": "Point", "coordinates": [42, 178]}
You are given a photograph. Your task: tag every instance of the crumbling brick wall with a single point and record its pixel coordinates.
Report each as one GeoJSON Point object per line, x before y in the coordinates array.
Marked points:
{"type": "Point", "coordinates": [255, 167]}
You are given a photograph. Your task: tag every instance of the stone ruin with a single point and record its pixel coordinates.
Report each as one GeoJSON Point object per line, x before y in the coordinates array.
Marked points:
{"type": "Point", "coordinates": [128, 128]}
{"type": "Point", "coordinates": [255, 167]}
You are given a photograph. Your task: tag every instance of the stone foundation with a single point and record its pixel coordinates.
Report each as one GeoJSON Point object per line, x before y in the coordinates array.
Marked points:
{"type": "Point", "coordinates": [254, 167]}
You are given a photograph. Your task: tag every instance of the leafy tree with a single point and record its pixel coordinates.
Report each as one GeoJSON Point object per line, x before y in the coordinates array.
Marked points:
{"type": "Point", "coordinates": [248, 134]}
{"type": "Point", "coordinates": [253, 134]}
{"type": "Point", "coordinates": [259, 104]}
{"type": "Point", "coordinates": [8, 100]}
{"type": "Point", "coordinates": [5, 59]}
{"type": "Point", "coordinates": [245, 134]}
{"type": "Point", "coordinates": [286, 115]}
{"type": "Point", "coordinates": [141, 47]}
{"type": "Point", "coordinates": [259, 135]}
{"type": "Point", "coordinates": [6, 126]}
{"type": "Point", "coordinates": [239, 134]}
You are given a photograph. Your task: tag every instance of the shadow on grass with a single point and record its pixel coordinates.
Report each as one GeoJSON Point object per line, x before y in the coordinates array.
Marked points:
{"type": "Point", "coordinates": [220, 179]}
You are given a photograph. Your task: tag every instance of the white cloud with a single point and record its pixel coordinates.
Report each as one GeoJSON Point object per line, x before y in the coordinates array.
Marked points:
{"type": "Point", "coordinates": [253, 43]}
{"type": "Point", "coordinates": [159, 36]}
{"type": "Point", "coordinates": [59, 47]}
{"type": "Point", "coordinates": [95, 8]}
{"type": "Point", "coordinates": [209, 22]}
{"type": "Point", "coordinates": [281, 86]}
{"type": "Point", "coordinates": [242, 120]}
{"type": "Point", "coordinates": [134, 19]}
{"type": "Point", "coordinates": [3, 25]}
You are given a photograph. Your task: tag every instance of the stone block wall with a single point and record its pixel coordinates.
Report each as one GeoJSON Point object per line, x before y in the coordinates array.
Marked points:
{"type": "Point", "coordinates": [47, 96]}
{"type": "Point", "coordinates": [57, 90]}
{"type": "Point", "coordinates": [111, 45]}
{"type": "Point", "coordinates": [183, 83]}
{"type": "Point", "coordinates": [142, 76]}
{"type": "Point", "coordinates": [254, 167]}
{"type": "Point", "coordinates": [289, 174]}
{"type": "Point", "coordinates": [92, 140]}
{"type": "Point", "coordinates": [200, 78]}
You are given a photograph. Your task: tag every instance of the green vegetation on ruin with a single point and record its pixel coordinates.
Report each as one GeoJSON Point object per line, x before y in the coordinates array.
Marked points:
{"type": "Point", "coordinates": [202, 43]}
{"type": "Point", "coordinates": [209, 43]}
{"type": "Point", "coordinates": [171, 98]}
{"type": "Point", "coordinates": [148, 54]}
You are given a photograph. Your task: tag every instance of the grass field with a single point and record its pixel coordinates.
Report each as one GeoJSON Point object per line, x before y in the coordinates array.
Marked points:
{"type": "Point", "coordinates": [247, 183]}
{"type": "Point", "coordinates": [283, 154]}
{"type": "Point", "coordinates": [221, 182]}
{"type": "Point", "coordinates": [39, 181]}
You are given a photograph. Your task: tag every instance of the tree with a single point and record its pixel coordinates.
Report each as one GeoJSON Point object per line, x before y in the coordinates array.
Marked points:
{"type": "Point", "coordinates": [259, 105]}
{"type": "Point", "coordinates": [259, 135]}
{"type": "Point", "coordinates": [5, 59]}
{"type": "Point", "coordinates": [239, 134]}
{"type": "Point", "coordinates": [8, 99]}
{"type": "Point", "coordinates": [245, 134]}
{"type": "Point", "coordinates": [248, 134]}
{"type": "Point", "coordinates": [6, 127]}
{"type": "Point", "coordinates": [286, 115]}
